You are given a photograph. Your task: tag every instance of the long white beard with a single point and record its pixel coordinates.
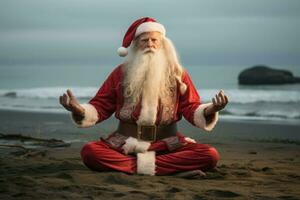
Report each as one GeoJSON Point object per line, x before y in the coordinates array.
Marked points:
{"type": "Point", "coordinates": [147, 77]}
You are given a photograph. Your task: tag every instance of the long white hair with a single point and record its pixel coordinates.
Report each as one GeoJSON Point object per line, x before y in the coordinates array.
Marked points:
{"type": "Point", "coordinates": [151, 76]}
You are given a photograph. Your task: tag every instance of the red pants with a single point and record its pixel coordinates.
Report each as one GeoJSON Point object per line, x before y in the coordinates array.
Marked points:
{"type": "Point", "coordinates": [100, 157]}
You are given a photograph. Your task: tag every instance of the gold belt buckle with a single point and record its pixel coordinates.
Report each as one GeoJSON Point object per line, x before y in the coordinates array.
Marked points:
{"type": "Point", "coordinates": [146, 132]}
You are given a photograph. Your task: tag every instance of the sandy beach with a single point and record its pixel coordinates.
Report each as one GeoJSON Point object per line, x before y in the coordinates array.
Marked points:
{"type": "Point", "coordinates": [259, 160]}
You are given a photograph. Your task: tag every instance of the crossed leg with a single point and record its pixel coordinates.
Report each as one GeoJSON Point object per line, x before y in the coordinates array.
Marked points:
{"type": "Point", "coordinates": [99, 156]}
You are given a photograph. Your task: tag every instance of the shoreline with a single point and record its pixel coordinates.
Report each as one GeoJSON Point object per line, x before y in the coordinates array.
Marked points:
{"type": "Point", "coordinates": [60, 126]}
{"type": "Point", "coordinates": [222, 117]}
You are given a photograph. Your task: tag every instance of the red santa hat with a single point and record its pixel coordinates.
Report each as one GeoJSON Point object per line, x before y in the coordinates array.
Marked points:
{"type": "Point", "coordinates": [145, 24]}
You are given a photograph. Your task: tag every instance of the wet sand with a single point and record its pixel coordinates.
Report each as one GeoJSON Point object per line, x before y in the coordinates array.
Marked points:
{"type": "Point", "coordinates": [264, 165]}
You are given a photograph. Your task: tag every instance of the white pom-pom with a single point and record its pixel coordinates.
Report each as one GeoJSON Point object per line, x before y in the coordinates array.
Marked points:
{"type": "Point", "coordinates": [122, 51]}
{"type": "Point", "coordinates": [182, 88]}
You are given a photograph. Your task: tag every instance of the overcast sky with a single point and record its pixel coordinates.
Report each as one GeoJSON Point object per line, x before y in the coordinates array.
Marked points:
{"type": "Point", "coordinates": [204, 32]}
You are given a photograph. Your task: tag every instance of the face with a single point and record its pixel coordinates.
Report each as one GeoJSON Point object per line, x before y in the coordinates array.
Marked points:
{"type": "Point", "coordinates": [149, 41]}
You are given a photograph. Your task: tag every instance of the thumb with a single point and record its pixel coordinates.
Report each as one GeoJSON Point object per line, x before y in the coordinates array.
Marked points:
{"type": "Point", "coordinates": [76, 107]}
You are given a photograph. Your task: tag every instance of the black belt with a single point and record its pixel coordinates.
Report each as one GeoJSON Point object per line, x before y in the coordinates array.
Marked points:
{"type": "Point", "coordinates": [148, 132]}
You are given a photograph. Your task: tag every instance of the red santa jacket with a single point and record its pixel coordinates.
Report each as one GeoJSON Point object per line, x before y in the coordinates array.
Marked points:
{"type": "Point", "coordinates": [109, 99]}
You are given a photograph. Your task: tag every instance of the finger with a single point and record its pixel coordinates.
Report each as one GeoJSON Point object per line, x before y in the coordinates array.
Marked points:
{"type": "Point", "coordinates": [221, 104]}
{"type": "Point", "coordinates": [65, 99]}
{"type": "Point", "coordinates": [214, 101]}
{"type": "Point", "coordinates": [226, 99]}
{"type": "Point", "coordinates": [221, 93]}
{"type": "Point", "coordinates": [76, 108]}
{"type": "Point", "coordinates": [60, 100]}
{"type": "Point", "coordinates": [223, 100]}
{"type": "Point", "coordinates": [70, 94]}
{"type": "Point", "coordinates": [217, 99]}
{"type": "Point", "coordinates": [72, 104]}
{"type": "Point", "coordinates": [220, 98]}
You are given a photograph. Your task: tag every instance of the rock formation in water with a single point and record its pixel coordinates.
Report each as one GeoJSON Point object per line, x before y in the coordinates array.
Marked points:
{"type": "Point", "coordinates": [263, 75]}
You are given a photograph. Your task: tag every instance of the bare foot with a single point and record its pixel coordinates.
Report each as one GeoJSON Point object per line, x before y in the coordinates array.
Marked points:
{"type": "Point", "coordinates": [191, 174]}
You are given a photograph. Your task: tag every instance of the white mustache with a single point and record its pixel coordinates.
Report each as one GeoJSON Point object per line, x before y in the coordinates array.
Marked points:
{"type": "Point", "coordinates": [149, 50]}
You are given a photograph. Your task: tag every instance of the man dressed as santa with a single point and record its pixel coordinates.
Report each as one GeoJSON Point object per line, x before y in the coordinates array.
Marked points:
{"type": "Point", "coordinates": [148, 93]}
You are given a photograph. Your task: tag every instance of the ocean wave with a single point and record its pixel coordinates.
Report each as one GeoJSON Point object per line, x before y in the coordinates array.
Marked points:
{"type": "Point", "coordinates": [48, 92]}
{"type": "Point", "coordinates": [242, 96]}
{"type": "Point", "coordinates": [278, 114]}
{"type": "Point", "coordinates": [273, 114]}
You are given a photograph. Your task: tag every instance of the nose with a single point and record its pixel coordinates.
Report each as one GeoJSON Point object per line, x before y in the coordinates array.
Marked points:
{"type": "Point", "coordinates": [149, 43]}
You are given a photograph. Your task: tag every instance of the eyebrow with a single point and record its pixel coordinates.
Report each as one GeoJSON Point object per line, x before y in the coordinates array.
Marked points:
{"type": "Point", "coordinates": [144, 38]}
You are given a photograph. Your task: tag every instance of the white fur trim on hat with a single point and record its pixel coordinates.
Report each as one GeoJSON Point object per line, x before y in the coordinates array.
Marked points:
{"type": "Point", "coordinates": [90, 116]}
{"type": "Point", "coordinates": [149, 27]}
{"type": "Point", "coordinates": [146, 163]}
{"type": "Point", "coordinates": [122, 51]}
{"type": "Point", "coordinates": [200, 120]}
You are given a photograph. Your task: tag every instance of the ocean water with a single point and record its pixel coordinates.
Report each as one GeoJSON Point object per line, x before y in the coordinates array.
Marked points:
{"type": "Point", "coordinates": [37, 88]}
